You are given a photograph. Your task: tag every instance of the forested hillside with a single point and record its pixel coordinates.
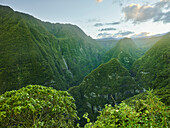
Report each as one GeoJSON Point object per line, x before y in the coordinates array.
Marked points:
{"type": "Point", "coordinates": [105, 78]}
{"type": "Point", "coordinates": [110, 83]}
{"type": "Point", "coordinates": [153, 69]}
{"type": "Point", "coordinates": [36, 52]}
{"type": "Point", "coordinates": [126, 51]}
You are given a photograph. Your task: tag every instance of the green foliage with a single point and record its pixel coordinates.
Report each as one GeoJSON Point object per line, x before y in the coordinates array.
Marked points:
{"type": "Point", "coordinates": [60, 55]}
{"type": "Point", "coordinates": [125, 51]}
{"type": "Point", "coordinates": [37, 106]}
{"type": "Point", "coordinates": [110, 83]}
{"type": "Point", "coordinates": [162, 93]}
{"type": "Point", "coordinates": [36, 52]}
{"type": "Point", "coordinates": [153, 69]}
{"type": "Point", "coordinates": [142, 113]}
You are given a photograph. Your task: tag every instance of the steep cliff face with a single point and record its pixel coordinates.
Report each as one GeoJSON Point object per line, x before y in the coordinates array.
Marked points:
{"type": "Point", "coordinates": [110, 83]}
{"type": "Point", "coordinates": [36, 52]}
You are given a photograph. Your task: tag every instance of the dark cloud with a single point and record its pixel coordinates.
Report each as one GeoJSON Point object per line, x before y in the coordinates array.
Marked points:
{"type": "Point", "coordinates": [98, 25]}
{"type": "Point", "coordinates": [120, 33]}
{"type": "Point", "coordinates": [103, 24]}
{"type": "Point", "coordinates": [166, 18]}
{"type": "Point", "coordinates": [114, 23]}
{"type": "Point", "coordinates": [138, 13]}
{"type": "Point", "coordinates": [107, 29]}
{"type": "Point", "coordinates": [163, 4]}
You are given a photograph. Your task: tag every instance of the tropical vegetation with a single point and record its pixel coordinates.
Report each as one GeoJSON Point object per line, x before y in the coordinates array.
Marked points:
{"type": "Point", "coordinates": [37, 106]}
{"type": "Point", "coordinates": [106, 79]}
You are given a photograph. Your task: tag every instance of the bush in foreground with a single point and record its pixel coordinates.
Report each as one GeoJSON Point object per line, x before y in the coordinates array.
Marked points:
{"type": "Point", "coordinates": [37, 106]}
{"type": "Point", "coordinates": [148, 113]}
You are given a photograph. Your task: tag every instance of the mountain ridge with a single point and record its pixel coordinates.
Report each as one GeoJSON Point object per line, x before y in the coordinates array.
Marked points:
{"type": "Point", "coordinates": [110, 83]}
{"type": "Point", "coordinates": [31, 53]}
{"type": "Point", "coordinates": [152, 69]}
{"type": "Point", "coordinates": [126, 51]}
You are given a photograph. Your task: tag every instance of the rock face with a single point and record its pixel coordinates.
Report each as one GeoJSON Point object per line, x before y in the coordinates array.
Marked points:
{"type": "Point", "coordinates": [110, 83]}
{"type": "Point", "coordinates": [36, 52]}
{"type": "Point", "coordinates": [126, 51]}
{"type": "Point", "coordinates": [153, 69]}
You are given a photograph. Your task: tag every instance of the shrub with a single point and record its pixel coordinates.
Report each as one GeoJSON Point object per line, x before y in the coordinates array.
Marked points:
{"type": "Point", "coordinates": [143, 113]}
{"type": "Point", "coordinates": [37, 106]}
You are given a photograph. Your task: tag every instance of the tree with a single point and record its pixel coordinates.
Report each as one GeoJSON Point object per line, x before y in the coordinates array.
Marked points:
{"type": "Point", "coordinates": [140, 113]}
{"type": "Point", "coordinates": [37, 106]}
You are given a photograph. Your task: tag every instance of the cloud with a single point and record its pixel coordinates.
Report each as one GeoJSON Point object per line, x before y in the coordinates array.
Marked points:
{"type": "Point", "coordinates": [99, 1]}
{"type": "Point", "coordinates": [140, 35]}
{"type": "Point", "coordinates": [121, 34]}
{"type": "Point", "coordinates": [98, 24]}
{"type": "Point", "coordinates": [163, 4]}
{"type": "Point", "coordinates": [107, 29]}
{"type": "Point", "coordinates": [104, 35]}
{"type": "Point", "coordinates": [114, 23]}
{"type": "Point", "coordinates": [166, 18]}
{"type": "Point", "coordinates": [103, 24]}
{"type": "Point", "coordinates": [141, 13]}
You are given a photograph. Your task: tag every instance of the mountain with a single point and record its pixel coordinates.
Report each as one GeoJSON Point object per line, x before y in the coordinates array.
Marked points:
{"type": "Point", "coordinates": [110, 83]}
{"type": "Point", "coordinates": [36, 52]}
{"type": "Point", "coordinates": [146, 43]}
{"type": "Point", "coordinates": [107, 44]}
{"type": "Point", "coordinates": [126, 51]}
{"type": "Point", "coordinates": [153, 69]}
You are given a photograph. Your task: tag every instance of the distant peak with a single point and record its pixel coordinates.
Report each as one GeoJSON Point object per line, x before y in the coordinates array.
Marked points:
{"type": "Point", "coordinates": [126, 38]}
{"type": "Point", "coordinates": [126, 41]}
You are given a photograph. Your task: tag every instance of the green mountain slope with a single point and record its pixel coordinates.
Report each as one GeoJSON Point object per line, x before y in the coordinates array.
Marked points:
{"type": "Point", "coordinates": [153, 69]}
{"type": "Point", "coordinates": [36, 52]}
{"type": "Point", "coordinates": [108, 81]}
{"type": "Point", "coordinates": [107, 44]}
{"type": "Point", "coordinates": [126, 51]}
{"type": "Point", "coordinates": [146, 43]}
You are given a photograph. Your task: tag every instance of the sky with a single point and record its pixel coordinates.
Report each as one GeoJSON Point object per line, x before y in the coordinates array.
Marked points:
{"type": "Point", "coordinates": [102, 18]}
